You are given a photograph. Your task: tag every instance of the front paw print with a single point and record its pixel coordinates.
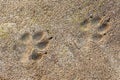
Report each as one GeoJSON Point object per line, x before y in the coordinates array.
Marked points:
{"type": "Point", "coordinates": [37, 45]}
{"type": "Point", "coordinates": [96, 27]}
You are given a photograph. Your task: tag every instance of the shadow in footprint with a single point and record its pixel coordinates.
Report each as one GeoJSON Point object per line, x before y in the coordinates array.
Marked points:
{"type": "Point", "coordinates": [43, 44]}
{"type": "Point", "coordinates": [103, 27]}
{"type": "Point", "coordinates": [35, 56]}
{"type": "Point", "coordinates": [95, 20]}
{"type": "Point", "coordinates": [97, 37]}
{"type": "Point", "coordinates": [25, 37]}
{"type": "Point", "coordinates": [84, 23]}
{"type": "Point", "coordinates": [38, 35]}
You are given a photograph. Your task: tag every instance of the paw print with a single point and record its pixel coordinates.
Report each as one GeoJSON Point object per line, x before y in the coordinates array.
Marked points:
{"type": "Point", "coordinates": [96, 26]}
{"type": "Point", "coordinates": [36, 44]}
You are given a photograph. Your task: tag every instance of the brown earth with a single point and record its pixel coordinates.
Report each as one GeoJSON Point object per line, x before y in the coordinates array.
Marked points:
{"type": "Point", "coordinates": [59, 39]}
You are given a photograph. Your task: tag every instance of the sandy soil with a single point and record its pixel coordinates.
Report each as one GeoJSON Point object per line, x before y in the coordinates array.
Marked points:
{"type": "Point", "coordinates": [59, 39]}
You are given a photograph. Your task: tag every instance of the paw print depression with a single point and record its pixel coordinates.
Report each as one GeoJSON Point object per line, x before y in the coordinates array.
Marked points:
{"type": "Point", "coordinates": [96, 27]}
{"type": "Point", "coordinates": [36, 45]}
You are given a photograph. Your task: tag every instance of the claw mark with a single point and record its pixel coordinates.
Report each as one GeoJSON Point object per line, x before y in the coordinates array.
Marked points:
{"type": "Point", "coordinates": [50, 38]}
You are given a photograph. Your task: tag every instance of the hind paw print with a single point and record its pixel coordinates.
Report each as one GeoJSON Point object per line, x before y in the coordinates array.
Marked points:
{"type": "Point", "coordinates": [36, 44]}
{"type": "Point", "coordinates": [96, 26]}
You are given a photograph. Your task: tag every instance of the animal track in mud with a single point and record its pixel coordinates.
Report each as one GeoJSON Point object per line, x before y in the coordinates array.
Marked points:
{"type": "Point", "coordinates": [84, 22]}
{"type": "Point", "coordinates": [95, 20]}
{"type": "Point", "coordinates": [43, 44]}
{"type": "Point", "coordinates": [35, 56]}
{"type": "Point", "coordinates": [38, 35]}
{"type": "Point", "coordinates": [36, 45]}
{"type": "Point", "coordinates": [96, 37]}
{"type": "Point", "coordinates": [104, 27]}
{"type": "Point", "coordinates": [25, 37]}
{"type": "Point", "coordinates": [96, 26]}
